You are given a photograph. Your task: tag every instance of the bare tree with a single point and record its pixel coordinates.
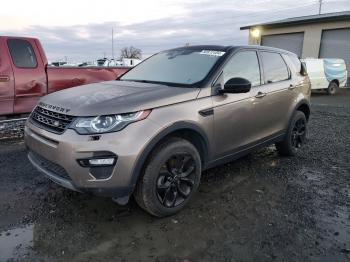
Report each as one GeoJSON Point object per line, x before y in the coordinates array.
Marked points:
{"type": "Point", "coordinates": [130, 52]}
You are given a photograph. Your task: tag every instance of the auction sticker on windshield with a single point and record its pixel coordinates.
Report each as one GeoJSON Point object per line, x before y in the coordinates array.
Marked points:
{"type": "Point", "coordinates": [212, 53]}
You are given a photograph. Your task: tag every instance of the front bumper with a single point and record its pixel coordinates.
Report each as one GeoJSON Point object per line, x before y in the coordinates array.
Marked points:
{"type": "Point", "coordinates": [56, 157]}
{"type": "Point", "coordinates": [54, 176]}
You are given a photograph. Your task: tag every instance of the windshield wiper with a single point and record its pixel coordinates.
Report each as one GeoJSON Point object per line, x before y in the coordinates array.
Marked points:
{"type": "Point", "coordinates": [136, 80]}
{"type": "Point", "coordinates": [154, 82]}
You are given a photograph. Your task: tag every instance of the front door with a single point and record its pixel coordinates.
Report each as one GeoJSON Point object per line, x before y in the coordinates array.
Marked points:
{"type": "Point", "coordinates": [233, 113]}
{"type": "Point", "coordinates": [7, 86]}
{"type": "Point", "coordinates": [29, 72]}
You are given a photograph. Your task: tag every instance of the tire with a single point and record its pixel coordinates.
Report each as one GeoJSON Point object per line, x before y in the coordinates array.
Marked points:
{"type": "Point", "coordinates": [332, 88]}
{"type": "Point", "coordinates": [170, 178]}
{"type": "Point", "coordinates": [295, 137]}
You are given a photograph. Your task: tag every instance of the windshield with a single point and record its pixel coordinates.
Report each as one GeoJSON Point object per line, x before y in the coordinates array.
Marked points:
{"type": "Point", "coordinates": [180, 66]}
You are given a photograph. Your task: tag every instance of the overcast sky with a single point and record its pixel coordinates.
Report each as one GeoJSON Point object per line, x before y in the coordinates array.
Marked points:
{"type": "Point", "coordinates": [81, 30]}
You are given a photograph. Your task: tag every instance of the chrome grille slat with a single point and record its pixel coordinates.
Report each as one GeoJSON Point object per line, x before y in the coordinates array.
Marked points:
{"type": "Point", "coordinates": [50, 120]}
{"type": "Point", "coordinates": [58, 116]}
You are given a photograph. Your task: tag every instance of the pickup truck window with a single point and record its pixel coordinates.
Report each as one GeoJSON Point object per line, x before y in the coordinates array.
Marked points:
{"type": "Point", "coordinates": [275, 68]}
{"type": "Point", "coordinates": [22, 53]}
{"type": "Point", "coordinates": [243, 64]}
{"type": "Point", "coordinates": [179, 67]}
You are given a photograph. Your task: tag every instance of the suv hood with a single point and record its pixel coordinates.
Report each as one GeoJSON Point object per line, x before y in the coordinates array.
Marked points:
{"type": "Point", "coordinates": [114, 97]}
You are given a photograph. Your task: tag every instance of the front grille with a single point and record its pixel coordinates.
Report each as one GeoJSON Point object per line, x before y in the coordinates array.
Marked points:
{"type": "Point", "coordinates": [50, 166]}
{"type": "Point", "coordinates": [50, 120]}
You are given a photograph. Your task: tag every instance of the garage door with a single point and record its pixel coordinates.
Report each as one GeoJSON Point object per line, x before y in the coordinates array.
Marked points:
{"type": "Point", "coordinates": [291, 42]}
{"type": "Point", "coordinates": [336, 44]}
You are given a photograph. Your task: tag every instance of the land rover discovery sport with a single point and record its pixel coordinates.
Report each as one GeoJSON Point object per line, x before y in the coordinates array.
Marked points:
{"type": "Point", "coordinates": [153, 131]}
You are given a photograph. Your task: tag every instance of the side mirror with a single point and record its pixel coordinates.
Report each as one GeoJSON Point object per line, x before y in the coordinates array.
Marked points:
{"type": "Point", "coordinates": [236, 85]}
{"type": "Point", "coordinates": [303, 71]}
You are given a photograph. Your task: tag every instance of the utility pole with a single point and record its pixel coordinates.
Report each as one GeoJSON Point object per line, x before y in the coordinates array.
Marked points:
{"type": "Point", "coordinates": [320, 7]}
{"type": "Point", "coordinates": [112, 43]}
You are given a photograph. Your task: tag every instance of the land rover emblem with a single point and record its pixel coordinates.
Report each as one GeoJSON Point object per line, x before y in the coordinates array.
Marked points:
{"type": "Point", "coordinates": [56, 123]}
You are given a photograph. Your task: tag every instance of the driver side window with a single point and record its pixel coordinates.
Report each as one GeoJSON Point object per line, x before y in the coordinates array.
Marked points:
{"type": "Point", "coordinates": [245, 65]}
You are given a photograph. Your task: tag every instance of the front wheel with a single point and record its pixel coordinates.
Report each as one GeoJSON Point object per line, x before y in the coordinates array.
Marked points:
{"type": "Point", "coordinates": [295, 137]}
{"type": "Point", "coordinates": [170, 178]}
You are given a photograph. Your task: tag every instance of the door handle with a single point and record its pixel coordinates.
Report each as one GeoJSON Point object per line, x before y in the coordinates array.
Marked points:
{"type": "Point", "coordinates": [291, 87]}
{"type": "Point", "coordinates": [4, 78]}
{"type": "Point", "coordinates": [260, 95]}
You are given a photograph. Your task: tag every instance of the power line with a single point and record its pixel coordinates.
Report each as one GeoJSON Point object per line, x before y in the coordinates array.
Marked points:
{"type": "Point", "coordinates": [320, 6]}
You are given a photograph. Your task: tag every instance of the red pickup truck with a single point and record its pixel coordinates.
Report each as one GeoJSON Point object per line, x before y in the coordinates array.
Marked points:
{"type": "Point", "coordinates": [25, 75]}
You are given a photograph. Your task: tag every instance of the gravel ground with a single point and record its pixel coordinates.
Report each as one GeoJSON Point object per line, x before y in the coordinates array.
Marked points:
{"type": "Point", "coordinates": [11, 129]}
{"type": "Point", "coordinates": [259, 208]}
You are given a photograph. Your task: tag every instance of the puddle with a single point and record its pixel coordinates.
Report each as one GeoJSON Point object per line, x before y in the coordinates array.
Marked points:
{"type": "Point", "coordinates": [312, 175]}
{"type": "Point", "coordinates": [15, 242]}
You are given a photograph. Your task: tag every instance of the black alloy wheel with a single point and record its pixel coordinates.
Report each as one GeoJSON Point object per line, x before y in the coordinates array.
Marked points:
{"type": "Point", "coordinates": [295, 136]}
{"type": "Point", "coordinates": [176, 180]}
{"type": "Point", "coordinates": [298, 133]}
{"type": "Point", "coordinates": [170, 178]}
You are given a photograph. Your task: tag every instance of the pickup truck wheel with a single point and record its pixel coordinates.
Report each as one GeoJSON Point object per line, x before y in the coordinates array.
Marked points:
{"type": "Point", "coordinates": [170, 178]}
{"type": "Point", "coordinates": [295, 136]}
{"type": "Point", "coordinates": [332, 88]}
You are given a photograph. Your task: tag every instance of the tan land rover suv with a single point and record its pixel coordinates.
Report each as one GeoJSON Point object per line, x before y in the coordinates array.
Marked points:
{"type": "Point", "coordinates": [153, 131]}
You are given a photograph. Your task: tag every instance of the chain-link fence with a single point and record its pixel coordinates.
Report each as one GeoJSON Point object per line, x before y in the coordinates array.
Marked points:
{"type": "Point", "coordinates": [10, 129]}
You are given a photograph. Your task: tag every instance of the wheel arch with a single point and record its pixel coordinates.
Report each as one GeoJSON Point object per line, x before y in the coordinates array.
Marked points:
{"type": "Point", "coordinates": [304, 107]}
{"type": "Point", "coordinates": [189, 131]}
{"type": "Point", "coordinates": [335, 81]}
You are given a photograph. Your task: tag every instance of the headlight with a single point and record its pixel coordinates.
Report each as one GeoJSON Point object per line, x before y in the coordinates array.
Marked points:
{"type": "Point", "coordinates": [108, 123]}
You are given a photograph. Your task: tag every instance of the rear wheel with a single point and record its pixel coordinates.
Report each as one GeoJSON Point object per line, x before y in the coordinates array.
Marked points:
{"type": "Point", "coordinates": [170, 178]}
{"type": "Point", "coordinates": [332, 88]}
{"type": "Point", "coordinates": [295, 136]}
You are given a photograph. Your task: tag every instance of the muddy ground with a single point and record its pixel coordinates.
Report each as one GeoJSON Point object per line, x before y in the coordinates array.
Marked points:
{"type": "Point", "coordinates": [260, 208]}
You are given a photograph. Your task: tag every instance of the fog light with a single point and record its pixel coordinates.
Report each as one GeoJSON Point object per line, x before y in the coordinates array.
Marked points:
{"type": "Point", "coordinates": [101, 162]}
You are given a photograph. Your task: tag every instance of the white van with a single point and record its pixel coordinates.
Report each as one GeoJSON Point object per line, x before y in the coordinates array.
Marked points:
{"type": "Point", "coordinates": [326, 74]}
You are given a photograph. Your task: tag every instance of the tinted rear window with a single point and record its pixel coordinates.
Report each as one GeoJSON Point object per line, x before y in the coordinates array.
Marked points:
{"type": "Point", "coordinates": [22, 53]}
{"type": "Point", "coordinates": [275, 68]}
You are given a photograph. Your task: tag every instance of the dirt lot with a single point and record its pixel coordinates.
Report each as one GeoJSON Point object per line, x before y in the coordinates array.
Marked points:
{"type": "Point", "coordinates": [259, 208]}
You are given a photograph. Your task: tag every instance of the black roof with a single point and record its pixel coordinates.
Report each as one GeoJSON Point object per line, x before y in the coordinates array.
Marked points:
{"type": "Point", "coordinates": [303, 20]}
{"type": "Point", "coordinates": [205, 47]}
{"type": "Point", "coordinates": [229, 48]}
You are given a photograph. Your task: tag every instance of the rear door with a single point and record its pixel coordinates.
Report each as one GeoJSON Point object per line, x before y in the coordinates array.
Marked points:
{"type": "Point", "coordinates": [29, 73]}
{"type": "Point", "coordinates": [273, 99]}
{"type": "Point", "coordinates": [7, 86]}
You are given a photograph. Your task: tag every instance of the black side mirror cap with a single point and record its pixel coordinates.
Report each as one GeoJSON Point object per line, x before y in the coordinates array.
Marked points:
{"type": "Point", "coordinates": [303, 71]}
{"type": "Point", "coordinates": [236, 85]}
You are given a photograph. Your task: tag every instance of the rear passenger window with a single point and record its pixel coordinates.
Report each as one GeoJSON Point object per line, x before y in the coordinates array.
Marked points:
{"type": "Point", "coordinates": [245, 65]}
{"type": "Point", "coordinates": [275, 68]}
{"type": "Point", "coordinates": [22, 53]}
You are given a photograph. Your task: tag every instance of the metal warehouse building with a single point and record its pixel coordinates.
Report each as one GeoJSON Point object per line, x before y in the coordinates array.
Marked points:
{"type": "Point", "coordinates": [317, 36]}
